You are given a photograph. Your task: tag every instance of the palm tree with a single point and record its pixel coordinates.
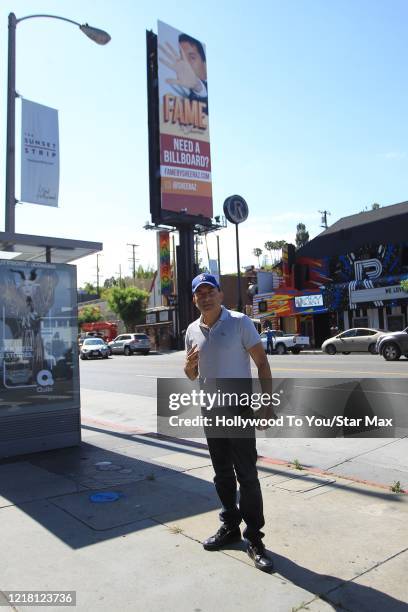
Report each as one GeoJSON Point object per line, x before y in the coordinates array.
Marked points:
{"type": "Point", "coordinates": [270, 246]}
{"type": "Point", "coordinates": [257, 252]}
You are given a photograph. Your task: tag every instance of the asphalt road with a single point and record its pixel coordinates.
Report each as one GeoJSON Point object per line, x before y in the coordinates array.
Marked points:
{"type": "Point", "coordinates": [120, 393]}
{"type": "Point", "coordinates": [138, 373]}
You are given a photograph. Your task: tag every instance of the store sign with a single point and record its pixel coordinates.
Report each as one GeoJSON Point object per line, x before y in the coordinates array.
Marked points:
{"type": "Point", "coordinates": [392, 292]}
{"type": "Point", "coordinates": [163, 315]}
{"type": "Point", "coordinates": [308, 301]}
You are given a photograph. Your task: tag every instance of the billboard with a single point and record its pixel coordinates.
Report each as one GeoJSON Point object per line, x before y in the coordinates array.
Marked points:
{"type": "Point", "coordinates": [38, 337]}
{"type": "Point", "coordinates": [184, 140]}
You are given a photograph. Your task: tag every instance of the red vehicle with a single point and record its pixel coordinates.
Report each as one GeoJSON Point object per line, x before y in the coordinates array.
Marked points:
{"type": "Point", "coordinates": [102, 329]}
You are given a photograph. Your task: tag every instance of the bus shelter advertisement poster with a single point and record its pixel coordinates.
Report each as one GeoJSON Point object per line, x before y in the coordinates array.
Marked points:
{"type": "Point", "coordinates": [38, 333]}
{"type": "Point", "coordinates": [185, 163]}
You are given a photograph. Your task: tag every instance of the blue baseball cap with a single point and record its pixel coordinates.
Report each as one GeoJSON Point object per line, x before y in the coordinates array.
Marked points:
{"type": "Point", "coordinates": [204, 279]}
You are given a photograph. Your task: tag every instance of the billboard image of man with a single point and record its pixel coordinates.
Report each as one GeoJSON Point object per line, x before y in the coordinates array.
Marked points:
{"type": "Point", "coordinates": [190, 66]}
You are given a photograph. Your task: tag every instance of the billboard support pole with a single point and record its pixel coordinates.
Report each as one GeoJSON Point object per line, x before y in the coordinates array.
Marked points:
{"type": "Point", "coordinates": [185, 274]}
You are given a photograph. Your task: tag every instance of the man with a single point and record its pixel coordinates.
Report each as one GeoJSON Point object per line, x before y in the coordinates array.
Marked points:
{"type": "Point", "coordinates": [219, 345]}
{"type": "Point", "coordinates": [190, 66]}
{"type": "Point", "coordinates": [269, 341]}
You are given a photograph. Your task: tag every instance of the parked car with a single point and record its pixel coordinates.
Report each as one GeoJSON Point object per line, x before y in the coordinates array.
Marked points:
{"type": "Point", "coordinates": [354, 340]}
{"type": "Point", "coordinates": [283, 342]}
{"type": "Point", "coordinates": [94, 348]}
{"type": "Point", "coordinates": [393, 344]}
{"type": "Point", "coordinates": [127, 344]}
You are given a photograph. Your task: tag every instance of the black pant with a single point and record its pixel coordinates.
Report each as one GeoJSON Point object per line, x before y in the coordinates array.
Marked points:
{"type": "Point", "coordinates": [269, 347]}
{"type": "Point", "coordinates": [235, 458]}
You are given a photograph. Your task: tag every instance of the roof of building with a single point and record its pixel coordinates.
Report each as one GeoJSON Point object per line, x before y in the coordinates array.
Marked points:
{"type": "Point", "coordinates": [384, 224]}
{"type": "Point", "coordinates": [367, 216]}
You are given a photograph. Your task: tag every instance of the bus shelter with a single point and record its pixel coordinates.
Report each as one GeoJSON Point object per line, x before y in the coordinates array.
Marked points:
{"type": "Point", "coordinates": [39, 372]}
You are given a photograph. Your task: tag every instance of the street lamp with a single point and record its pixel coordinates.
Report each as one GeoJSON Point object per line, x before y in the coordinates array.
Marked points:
{"type": "Point", "coordinates": [98, 36]}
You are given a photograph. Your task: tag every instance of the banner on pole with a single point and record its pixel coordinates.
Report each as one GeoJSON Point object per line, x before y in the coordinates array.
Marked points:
{"type": "Point", "coordinates": [39, 154]}
{"type": "Point", "coordinates": [163, 243]}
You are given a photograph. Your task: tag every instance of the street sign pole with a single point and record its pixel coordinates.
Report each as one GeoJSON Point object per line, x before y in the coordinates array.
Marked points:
{"type": "Point", "coordinates": [239, 301]}
{"type": "Point", "coordinates": [236, 211]}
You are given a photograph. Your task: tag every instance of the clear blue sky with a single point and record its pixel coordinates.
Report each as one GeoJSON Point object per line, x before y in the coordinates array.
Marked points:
{"type": "Point", "coordinates": [308, 112]}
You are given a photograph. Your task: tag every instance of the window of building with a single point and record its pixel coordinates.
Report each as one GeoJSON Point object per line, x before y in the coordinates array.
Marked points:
{"type": "Point", "coordinates": [395, 322]}
{"type": "Point", "coordinates": [360, 322]}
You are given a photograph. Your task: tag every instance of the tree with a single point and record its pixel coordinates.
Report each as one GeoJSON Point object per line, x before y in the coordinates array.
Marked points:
{"type": "Point", "coordinates": [269, 246]}
{"type": "Point", "coordinates": [275, 245]}
{"type": "Point", "coordinates": [375, 206]}
{"type": "Point", "coordinates": [404, 284]}
{"type": "Point", "coordinates": [302, 235]}
{"type": "Point", "coordinates": [257, 252]}
{"type": "Point", "coordinates": [110, 282]}
{"type": "Point", "coordinates": [142, 272]}
{"type": "Point", "coordinates": [129, 303]}
{"type": "Point", "coordinates": [89, 288]}
{"type": "Point", "coordinates": [89, 314]}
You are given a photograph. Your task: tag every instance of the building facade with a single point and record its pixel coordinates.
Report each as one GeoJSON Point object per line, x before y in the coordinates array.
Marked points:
{"type": "Point", "coordinates": [348, 276]}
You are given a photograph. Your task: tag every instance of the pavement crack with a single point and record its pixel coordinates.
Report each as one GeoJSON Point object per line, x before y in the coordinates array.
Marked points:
{"type": "Point", "coordinates": [363, 453]}
{"type": "Point", "coordinates": [326, 595]}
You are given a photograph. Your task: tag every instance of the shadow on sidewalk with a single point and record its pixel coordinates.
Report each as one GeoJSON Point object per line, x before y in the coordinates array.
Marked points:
{"type": "Point", "coordinates": [54, 489]}
{"type": "Point", "coordinates": [342, 595]}
{"type": "Point", "coordinates": [199, 449]}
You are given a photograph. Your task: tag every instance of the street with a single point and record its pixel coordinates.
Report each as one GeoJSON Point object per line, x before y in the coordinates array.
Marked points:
{"type": "Point", "coordinates": [122, 391]}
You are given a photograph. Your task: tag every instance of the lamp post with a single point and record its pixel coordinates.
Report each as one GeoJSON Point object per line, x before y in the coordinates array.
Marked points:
{"type": "Point", "coordinates": [98, 36]}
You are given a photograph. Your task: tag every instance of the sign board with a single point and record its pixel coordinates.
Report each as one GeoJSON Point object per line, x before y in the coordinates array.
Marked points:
{"type": "Point", "coordinates": [39, 381]}
{"type": "Point", "coordinates": [393, 292]}
{"type": "Point", "coordinates": [236, 209]}
{"type": "Point", "coordinates": [185, 161]}
{"type": "Point", "coordinates": [307, 301]}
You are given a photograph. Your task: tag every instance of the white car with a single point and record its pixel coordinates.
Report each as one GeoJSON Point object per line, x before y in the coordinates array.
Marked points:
{"type": "Point", "coordinates": [92, 348]}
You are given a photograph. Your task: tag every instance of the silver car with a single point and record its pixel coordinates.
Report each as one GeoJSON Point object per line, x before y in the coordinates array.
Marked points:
{"type": "Point", "coordinates": [127, 344]}
{"type": "Point", "coordinates": [355, 340]}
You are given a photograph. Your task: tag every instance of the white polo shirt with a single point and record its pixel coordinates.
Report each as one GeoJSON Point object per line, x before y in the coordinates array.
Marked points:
{"type": "Point", "coordinates": [224, 346]}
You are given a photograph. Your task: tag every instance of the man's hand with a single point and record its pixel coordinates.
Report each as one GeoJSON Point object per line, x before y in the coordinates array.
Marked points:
{"type": "Point", "coordinates": [191, 364]}
{"type": "Point", "coordinates": [178, 62]}
{"type": "Point", "coordinates": [265, 412]}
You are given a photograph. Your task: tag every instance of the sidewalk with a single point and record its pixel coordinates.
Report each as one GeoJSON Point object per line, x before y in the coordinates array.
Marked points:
{"type": "Point", "coordinates": [337, 544]}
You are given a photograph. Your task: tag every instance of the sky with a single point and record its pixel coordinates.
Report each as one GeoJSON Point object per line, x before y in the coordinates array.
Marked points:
{"type": "Point", "coordinates": [308, 112]}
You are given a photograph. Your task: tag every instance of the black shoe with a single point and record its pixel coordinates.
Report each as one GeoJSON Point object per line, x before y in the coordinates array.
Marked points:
{"type": "Point", "coordinates": [260, 558]}
{"type": "Point", "coordinates": [225, 535]}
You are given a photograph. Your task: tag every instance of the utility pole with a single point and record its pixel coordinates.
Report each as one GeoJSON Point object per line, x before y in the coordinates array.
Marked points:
{"type": "Point", "coordinates": [324, 214]}
{"type": "Point", "coordinates": [97, 273]}
{"type": "Point", "coordinates": [133, 259]}
{"type": "Point", "coordinates": [120, 276]}
{"type": "Point", "coordinates": [218, 255]}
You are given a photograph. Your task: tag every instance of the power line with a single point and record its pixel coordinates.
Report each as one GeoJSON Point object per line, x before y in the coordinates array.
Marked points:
{"type": "Point", "coordinates": [324, 214]}
{"type": "Point", "coordinates": [133, 259]}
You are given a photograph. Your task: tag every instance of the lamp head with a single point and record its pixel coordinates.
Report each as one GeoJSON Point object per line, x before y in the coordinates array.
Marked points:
{"type": "Point", "coordinates": [99, 36]}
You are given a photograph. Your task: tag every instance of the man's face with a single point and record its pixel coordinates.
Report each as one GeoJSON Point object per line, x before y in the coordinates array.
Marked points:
{"type": "Point", "coordinates": [208, 299]}
{"type": "Point", "coordinates": [195, 61]}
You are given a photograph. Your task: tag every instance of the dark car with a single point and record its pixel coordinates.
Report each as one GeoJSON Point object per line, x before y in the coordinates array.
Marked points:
{"type": "Point", "coordinates": [94, 348]}
{"type": "Point", "coordinates": [394, 344]}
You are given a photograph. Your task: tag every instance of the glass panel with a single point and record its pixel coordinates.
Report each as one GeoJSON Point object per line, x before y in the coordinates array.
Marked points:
{"type": "Point", "coordinates": [38, 337]}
